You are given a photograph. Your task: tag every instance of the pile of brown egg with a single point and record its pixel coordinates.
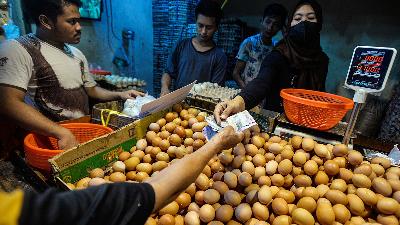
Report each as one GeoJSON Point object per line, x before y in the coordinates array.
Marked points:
{"type": "Point", "coordinates": [263, 180]}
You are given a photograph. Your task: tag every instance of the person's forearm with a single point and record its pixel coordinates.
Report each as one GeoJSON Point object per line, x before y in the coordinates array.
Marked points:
{"type": "Point", "coordinates": [30, 119]}
{"type": "Point", "coordinates": [102, 94]}
{"type": "Point", "coordinates": [238, 80]}
{"type": "Point", "coordinates": [185, 172]}
{"type": "Point", "coordinates": [165, 81]}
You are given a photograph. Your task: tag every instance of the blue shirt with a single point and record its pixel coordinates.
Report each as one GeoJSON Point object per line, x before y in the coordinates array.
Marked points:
{"type": "Point", "coordinates": [252, 51]}
{"type": "Point", "coordinates": [185, 64]}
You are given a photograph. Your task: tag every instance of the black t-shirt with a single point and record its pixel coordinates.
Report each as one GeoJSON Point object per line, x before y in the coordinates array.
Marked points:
{"type": "Point", "coordinates": [119, 204]}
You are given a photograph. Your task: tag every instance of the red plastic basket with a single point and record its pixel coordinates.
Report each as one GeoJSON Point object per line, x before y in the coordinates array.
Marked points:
{"type": "Point", "coordinates": [314, 109]}
{"type": "Point", "coordinates": [39, 148]}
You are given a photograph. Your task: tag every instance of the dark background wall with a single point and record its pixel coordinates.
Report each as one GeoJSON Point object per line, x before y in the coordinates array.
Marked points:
{"type": "Point", "coordinates": [346, 25]}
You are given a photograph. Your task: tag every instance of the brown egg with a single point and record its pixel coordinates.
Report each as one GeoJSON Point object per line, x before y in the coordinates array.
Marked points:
{"type": "Point", "coordinates": [166, 220]}
{"type": "Point", "coordinates": [308, 144]}
{"type": "Point", "coordinates": [387, 206]}
{"type": "Point", "coordinates": [277, 180]}
{"type": "Point", "coordinates": [192, 218]}
{"type": "Point", "coordinates": [232, 198]}
{"type": "Point", "coordinates": [243, 212]}
{"type": "Point", "coordinates": [124, 156]}
{"type": "Point", "coordinates": [220, 186]}
{"type": "Point", "coordinates": [303, 180]}
{"type": "Point", "coordinates": [275, 148]}
{"type": "Point", "coordinates": [321, 178]}
{"type": "Point", "coordinates": [341, 161]}
{"type": "Point", "coordinates": [207, 213]}
{"type": "Point", "coordinates": [368, 196]}
{"type": "Point", "coordinates": [202, 182]}
{"type": "Point", "coordinates": [311, 192]}
{"type": "Point", "coordinates": [310, 167]}
{"type": "Point", "coordinates": [224, 213]}
{"type": "Point", "coordinates": [280, 206]}
{"type": "Point", "coordinates": [275, 139]}
{"type": "Point", "coordinates": [97, 172]}
{"type": "Point", "coordinates": [172, 209]}
{"type": "Point", "coordinates": [325, 213]}
{"type": "Point", "coordinates": [339, 184]}
{"type": "Point", "coordinates": [259, 160]}
{"type": "Point", "coordinates": [287, 195]}
{"type": "Point", "coordinates": [191, 190]}
{"type": "Point", "coordinates": [141, 176]}
{"type": "Point", "coordinates": [285, 167]}
{"type": "Point", "coordinates": [141, 144]}
{"type": "Point", "coordinates": [381, 161]}
{"type": "Point", "coordinates": [336, 197]}
{"type": "Point", "coordinates": [299, 158]}
{"type": "Point", "coordinates": [258, 141]}
{"type": "Point", "coordinates": [363, 169]}
{"type": "Point", "coordinates": [345, 174]}
{"type": "Point", "coordinates": [307, 203]}
{"type": "Point", "coordinates": [154, 127]}
{"type": "Point", "coordinates": [245, 179]}
{"type": "Point", "coordinates": [211, 196]}
{"type": "Point", "coordinates": [117, 177]}
{"type": "Point", "coordinates": [356, 205]}
{"type": "Point", "coordinates": [331, 167]}
{"type": "Point", "coordinates": [340, 150]}
{"type": "Point", "coordinates": [271, 167]}
{"type": "Point", "coordinates": [265, 195]}
{"type": "Point", "coordinates": [230, 179]}
{"type": "Point", "coordinates": [131, 175]}
{"type": "Point", "coordinates": [382, 186]}
{"type": "Point", "coordinates": [260, 211]}
{"type": "Point", "coordinates": [342, 214]}
{"type": "Point", "coordinates": [248, 167]}
{"type": "Point", "coordinates": [354, 157]}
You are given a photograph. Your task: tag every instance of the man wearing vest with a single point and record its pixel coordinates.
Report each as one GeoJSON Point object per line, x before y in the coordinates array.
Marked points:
{"type": "Point", "coordinates": [43, 79]}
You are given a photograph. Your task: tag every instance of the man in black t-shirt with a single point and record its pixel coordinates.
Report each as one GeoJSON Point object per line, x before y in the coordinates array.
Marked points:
{"type": "Point", "coordinates": [197, 58]}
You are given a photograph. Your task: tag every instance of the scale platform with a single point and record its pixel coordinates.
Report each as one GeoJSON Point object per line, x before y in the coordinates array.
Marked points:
{"type": "Point", "coordinates": [333, 136]}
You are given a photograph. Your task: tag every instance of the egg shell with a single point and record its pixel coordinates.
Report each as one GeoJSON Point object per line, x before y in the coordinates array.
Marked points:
{"type": "Point", "coordinates": [336, 197]}
{"type": "Point", "coordinates": [325, 214]}
{"type": "Point", "coordinates": [382, 186]}
{"type": "Point", "coordinates": [211, 196]}
{"type": "Point", "coordinates": [356, 205]}
{"type": "Point", "coordinates": [207, 213]}
{"type": "Point", "coordinates": [280, 206]}
{"type": "Point", "coordinates": [342, 214]}
{"type": "Point", "coordinates": [302, 217]}
{"type": "Point", "coordinates": [387, 206]}
{"type": "Point", "coordinates": [260, 211]}
{"type": "Point", "coordinates": [97, 172]}
{"type": "Point", "coordinates": [243, 212]}
{"type": "Point", "coordinates": [117, 177]}
{"type": "Point", "coordinates": [192, 218]}
{"type": "Point", "coordinates": [224, 213]}
{"type": "Point", "coordinates": [307, 203]}
{"type": "Point", "coordinates": [368, 196]}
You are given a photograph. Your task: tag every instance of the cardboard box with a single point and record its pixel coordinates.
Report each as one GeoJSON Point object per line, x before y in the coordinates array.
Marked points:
{"type": "Point", "coordinates": [74, 164]}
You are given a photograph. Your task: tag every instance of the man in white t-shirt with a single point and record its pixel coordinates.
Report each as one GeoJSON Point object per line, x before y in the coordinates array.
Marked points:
{"type": "Point", "coordinates": [43, 79]}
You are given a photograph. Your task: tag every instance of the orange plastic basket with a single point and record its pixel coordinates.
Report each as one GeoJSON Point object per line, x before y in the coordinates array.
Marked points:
{"type": "Point", "coordinates": [39, 148]}
{"type": "Point", "coordinates": [314, 109]}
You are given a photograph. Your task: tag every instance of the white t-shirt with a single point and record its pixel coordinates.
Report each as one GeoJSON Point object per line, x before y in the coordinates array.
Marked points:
{"type": "Point", "coordinates": [54, 79]}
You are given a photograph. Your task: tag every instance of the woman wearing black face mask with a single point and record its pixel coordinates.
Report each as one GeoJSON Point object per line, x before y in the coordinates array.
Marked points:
{"type": "Point", "coordinates": [298, 61]}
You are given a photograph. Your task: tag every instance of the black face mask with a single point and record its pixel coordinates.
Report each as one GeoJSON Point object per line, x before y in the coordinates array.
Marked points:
{"type": "Point", "coordinates": [305, 35]}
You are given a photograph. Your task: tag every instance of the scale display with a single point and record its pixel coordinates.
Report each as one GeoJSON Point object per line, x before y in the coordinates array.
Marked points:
{"type": "Point", "coordinates": [370, 68]}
